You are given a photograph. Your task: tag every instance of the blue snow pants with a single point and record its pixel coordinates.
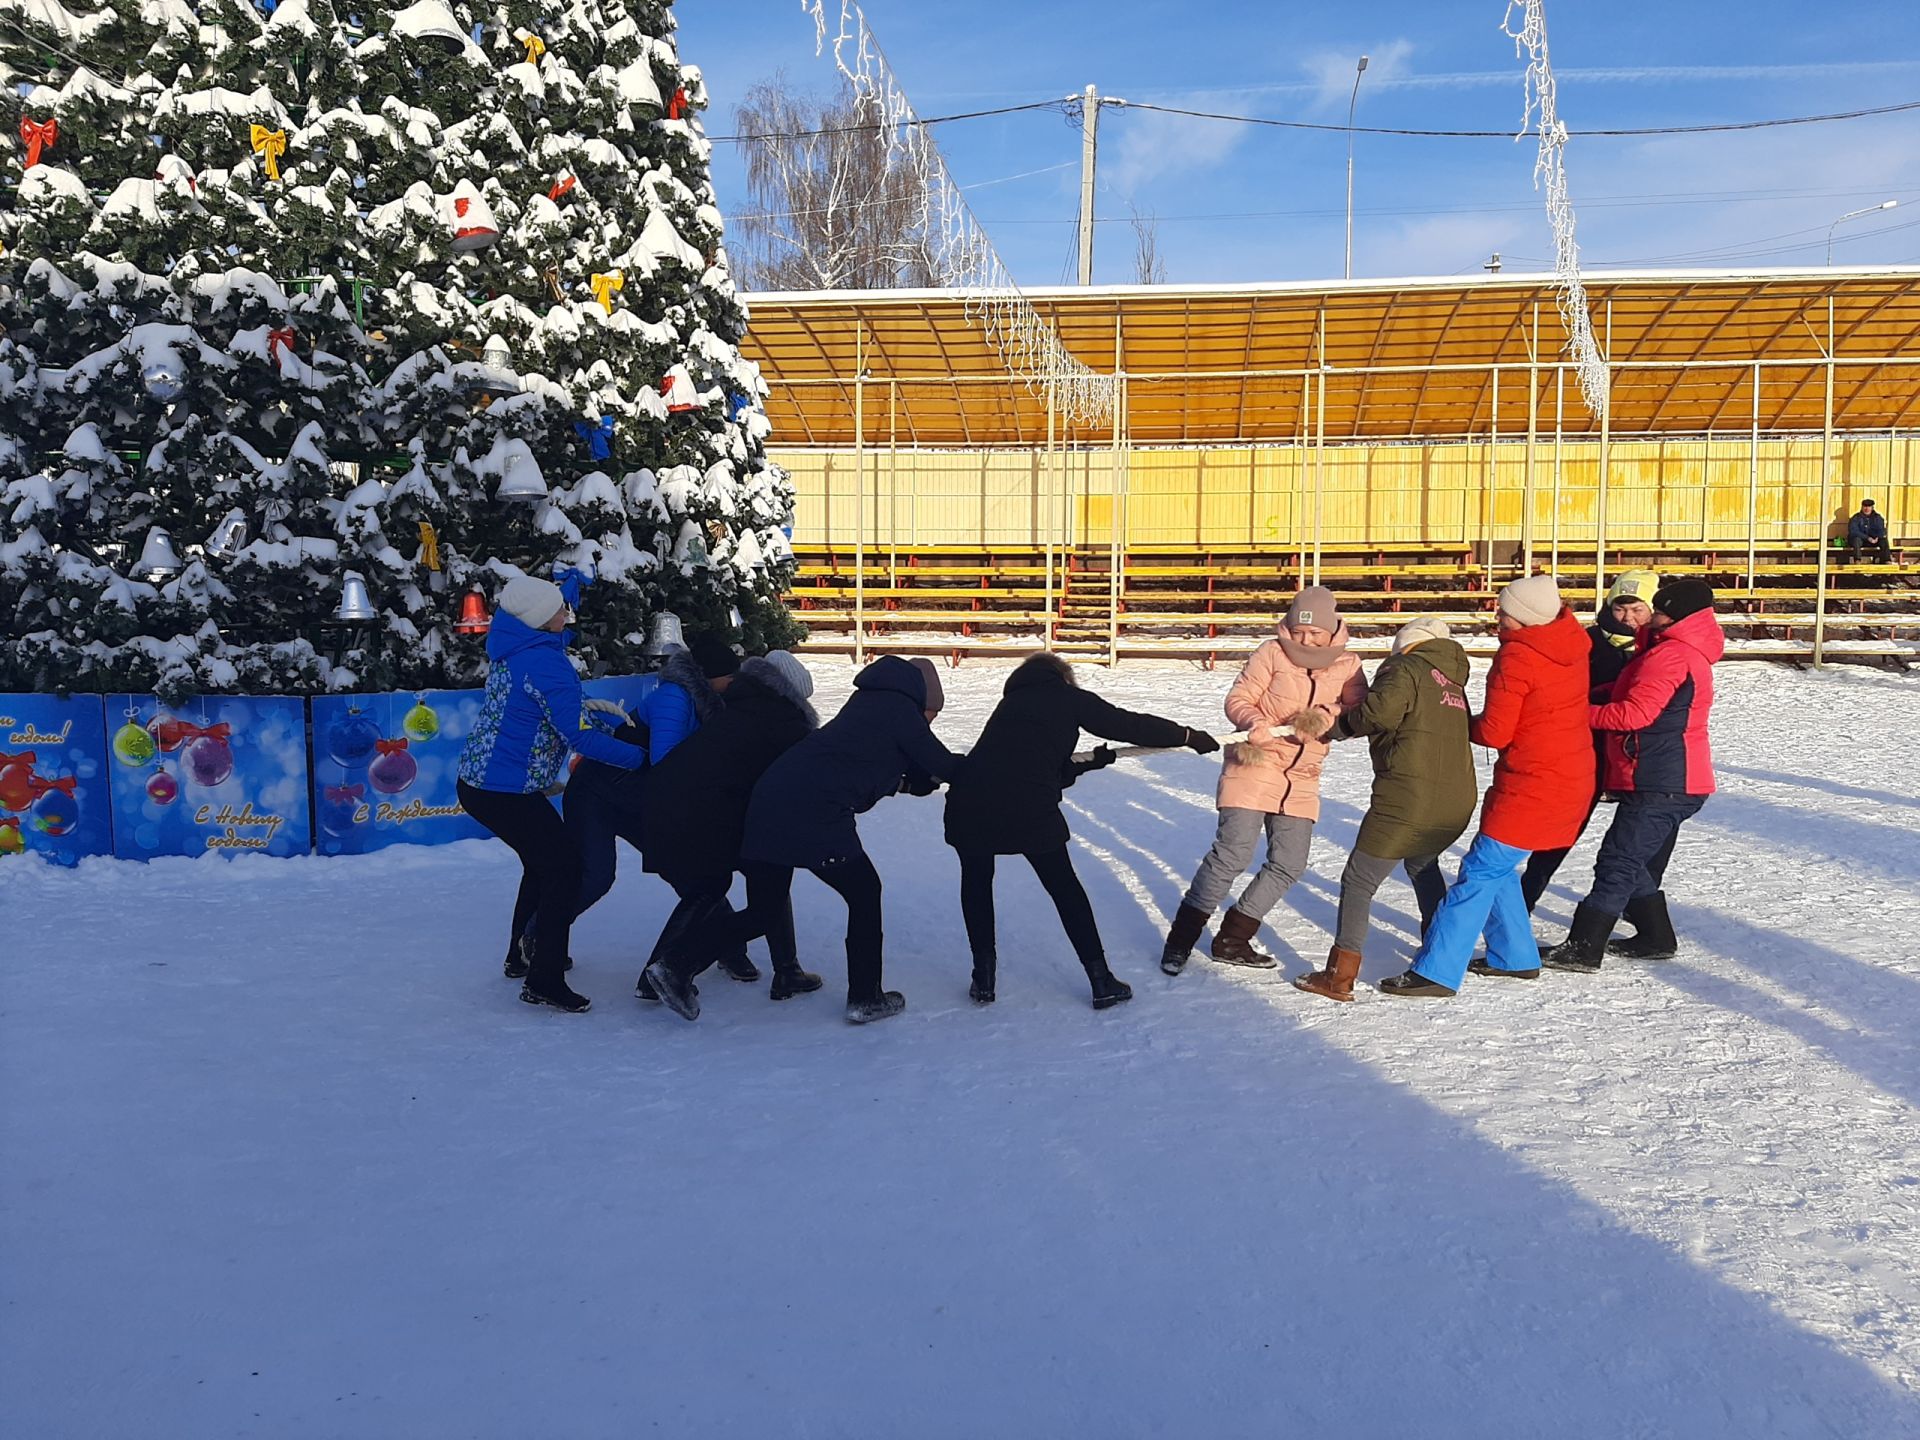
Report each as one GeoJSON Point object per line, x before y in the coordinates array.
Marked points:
{"type": "Point", "coordinates": [1486, 899]}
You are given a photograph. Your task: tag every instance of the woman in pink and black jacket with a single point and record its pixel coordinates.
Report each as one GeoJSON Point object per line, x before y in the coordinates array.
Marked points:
{"type": "Point", "coordinates": [1660, 765]}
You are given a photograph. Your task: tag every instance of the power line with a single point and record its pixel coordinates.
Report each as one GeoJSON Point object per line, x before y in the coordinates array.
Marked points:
{"type": "Point", "coordinates": [1509, 134]}
{"type": "Point", "coordinates": [867, 126]}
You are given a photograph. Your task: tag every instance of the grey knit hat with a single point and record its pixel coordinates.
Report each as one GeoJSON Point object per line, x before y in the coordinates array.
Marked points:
{"type": "Point", "coordinates": [797, 676]}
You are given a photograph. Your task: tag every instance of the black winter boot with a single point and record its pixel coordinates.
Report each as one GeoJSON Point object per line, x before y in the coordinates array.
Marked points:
{"type": "Point", "coordinates": [791, 981]}
{"type": "Point", "coordinates": [738, 966]}
{"type": "Point", "coordinates": [1109, 989]}
{"type": "Point", "coordinates": [985, 971]}
{"type": "Point", "coordinates": [1412, 985]}
{"type": "Point", "coordinates": [1182, 937]}
{"type": "Point", "coordinates": [1586, 942]}
{"type": "Point", "coordinates": [865, 1012]}
{"type": "Point", "coordinates": [676, 993]}
{"type": "Point", "coordinates": [558, 995]}
{"type": "Point", "coordinates": [1653, 938]}
{"type": "Point", "coordinates": [519, 958]}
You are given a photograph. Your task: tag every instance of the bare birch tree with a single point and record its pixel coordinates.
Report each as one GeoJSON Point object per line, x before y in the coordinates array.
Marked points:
{"type": "Point", "coordinates": [825, 209]}
{"type": "Point", "coordinates": [1149, 261]}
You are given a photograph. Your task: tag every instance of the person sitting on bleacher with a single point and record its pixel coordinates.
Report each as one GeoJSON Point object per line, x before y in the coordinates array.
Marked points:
{"type": "Point", "coordinates": [1867, 531]}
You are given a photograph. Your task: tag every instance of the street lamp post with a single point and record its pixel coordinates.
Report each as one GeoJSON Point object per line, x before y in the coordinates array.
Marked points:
{"type": "Point", "coordinates": [1352, 101]}
{"type": "Point", "coordinates": [1850, 215]}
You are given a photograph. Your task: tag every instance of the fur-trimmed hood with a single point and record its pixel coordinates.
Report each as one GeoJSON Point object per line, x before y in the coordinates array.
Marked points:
{"type": "Point", "coordinates": [680, 668]}
{"type": "Point", "coordinates": [766, 674]}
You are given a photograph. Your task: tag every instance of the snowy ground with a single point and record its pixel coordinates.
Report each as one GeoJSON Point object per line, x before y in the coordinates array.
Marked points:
{"type": "Point", "coordinates": [284, 1157]}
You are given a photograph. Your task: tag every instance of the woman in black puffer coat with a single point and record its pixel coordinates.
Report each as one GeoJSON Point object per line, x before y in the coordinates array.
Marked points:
{"type": "Point", "coordinates": [696, 814]}
{"type": "Point", "coordinates": [1006, 801]}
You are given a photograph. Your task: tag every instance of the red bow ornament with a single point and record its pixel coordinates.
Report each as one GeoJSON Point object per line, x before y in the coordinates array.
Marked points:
{"type": "Point", "coordinates": [278, 340]}
{"type": "Point", "coordinates": [561, 187]}
{"type": "Point", "coordinates": [390, 747]}
{"type": "Point", "coordinates": [38, 137]}
{"type": "Point", "coordinates": [343, 794]}
{"type": "Point", "coordinates": [172, 734]}
{"type": "Point", "coordinates": [65, 784]}
{"type": "Point", "coordinates": [678, 106]}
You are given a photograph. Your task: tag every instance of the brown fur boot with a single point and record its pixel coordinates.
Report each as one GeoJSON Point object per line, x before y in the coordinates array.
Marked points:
{"type": "Point", "coordinates": [1181, 939]}
{"type": "Point", "coordinates": [1336, 981]}
{"type": "Point", "coordinates": [1233, 942]}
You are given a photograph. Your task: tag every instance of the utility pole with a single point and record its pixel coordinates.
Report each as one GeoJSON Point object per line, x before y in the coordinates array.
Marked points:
{"type": "Point", "coordinates": [1089, 148]}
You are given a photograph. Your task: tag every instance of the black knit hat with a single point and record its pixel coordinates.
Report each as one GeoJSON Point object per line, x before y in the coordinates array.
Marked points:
{"type": "Point", "coordinates": [1682, 598]}
{"type": "Point", "coordinates": [714, 656]}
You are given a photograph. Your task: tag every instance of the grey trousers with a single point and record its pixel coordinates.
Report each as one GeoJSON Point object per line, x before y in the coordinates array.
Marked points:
{"type": "Point", "coordinates": [1362, 879]}
{"type": "Point", "coordinates": [1288, 840]}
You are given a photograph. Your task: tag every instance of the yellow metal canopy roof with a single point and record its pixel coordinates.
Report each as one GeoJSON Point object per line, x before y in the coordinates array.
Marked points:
{"type": "Point", "coordinates": [1406, 359]}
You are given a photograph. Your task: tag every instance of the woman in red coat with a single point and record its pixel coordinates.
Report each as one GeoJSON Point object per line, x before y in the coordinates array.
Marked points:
{"type": "Point", "coordinates": [1536, 717]}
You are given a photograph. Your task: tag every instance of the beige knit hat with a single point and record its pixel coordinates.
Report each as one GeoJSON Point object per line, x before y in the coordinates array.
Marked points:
{"type": "Point", "coordinates": [1532, 601]}
{"type": "Point", "coordinates": [1419, 631]}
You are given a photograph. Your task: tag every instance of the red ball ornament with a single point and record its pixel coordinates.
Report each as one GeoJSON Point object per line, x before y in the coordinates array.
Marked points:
{"type": "Point", "coordinates": [163, 789]}
{"type": "Point", "coordinates": [16, 783]}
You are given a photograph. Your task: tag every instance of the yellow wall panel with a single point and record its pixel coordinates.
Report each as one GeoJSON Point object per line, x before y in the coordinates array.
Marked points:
{"type": "Point", "coordinates": [1658, 491]}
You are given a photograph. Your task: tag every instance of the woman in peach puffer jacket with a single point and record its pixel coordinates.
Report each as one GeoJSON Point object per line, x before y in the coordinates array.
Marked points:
{"type": "Point", "coordinates": [1287, 697]}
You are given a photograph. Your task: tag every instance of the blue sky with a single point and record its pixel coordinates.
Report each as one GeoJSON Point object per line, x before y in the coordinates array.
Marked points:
{"type": "Point", "coordinates": [1238, 203]}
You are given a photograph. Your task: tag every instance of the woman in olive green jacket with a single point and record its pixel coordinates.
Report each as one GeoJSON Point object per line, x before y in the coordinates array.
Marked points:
{"type": "Point", "coordinates": [1415, 719]}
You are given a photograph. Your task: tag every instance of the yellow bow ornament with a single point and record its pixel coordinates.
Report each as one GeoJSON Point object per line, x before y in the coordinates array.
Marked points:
{"type": "Point", "coordinates": [270, 145]}
{"type": "Point", "coordinates": [429, 546]}
{"type": "Point", "coordinates": [536, 47]}
{"type": "Point", "coordinates": [604, 286]}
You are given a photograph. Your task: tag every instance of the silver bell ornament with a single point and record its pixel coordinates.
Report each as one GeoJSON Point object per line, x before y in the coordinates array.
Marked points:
{"type": "Point", "coordinates": [229, 537]}
{"type": "Point", "coordinates": [666, 635]}
{"type": "Point", "coordinates": [356, 606]}
{"type": "Point", "coordinates": [158, 559]}
{"type": "Point", "coordinates": [494, 377]}
{"type": "Point", "coordinates": [520, 478]}
{"type": "Point", "coordinates": [735, 619]}
{"type": "Point", "coordinates": [164, 381]}
{"type": "Point", "coordinates": [432, 21]}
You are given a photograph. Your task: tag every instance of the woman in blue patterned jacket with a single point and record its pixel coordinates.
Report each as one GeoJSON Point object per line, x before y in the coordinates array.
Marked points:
{"type": "Point", "coordinates": [533, 714]}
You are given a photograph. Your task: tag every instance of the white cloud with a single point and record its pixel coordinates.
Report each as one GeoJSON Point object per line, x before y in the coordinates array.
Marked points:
{"type": "Point", "coordinates": [1153, 145]}
{"type": "Point", "coordinates": [1332, 71]}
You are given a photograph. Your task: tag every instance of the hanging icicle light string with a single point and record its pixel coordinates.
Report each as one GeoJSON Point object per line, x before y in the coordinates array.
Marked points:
{"type": "Point", "coordinates": [1550, 167]}
{"type": "Point", "coordinates": [963, 257]}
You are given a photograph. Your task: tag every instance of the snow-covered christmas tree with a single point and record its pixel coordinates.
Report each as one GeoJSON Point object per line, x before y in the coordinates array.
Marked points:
{"type": "Point", "coordinates": [317, 322]}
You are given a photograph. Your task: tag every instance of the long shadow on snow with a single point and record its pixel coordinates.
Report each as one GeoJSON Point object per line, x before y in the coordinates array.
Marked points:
{"type": "Point", "coordinates": [1811, 782]}
{"type": "Point", "coordinates": [1892, 850]}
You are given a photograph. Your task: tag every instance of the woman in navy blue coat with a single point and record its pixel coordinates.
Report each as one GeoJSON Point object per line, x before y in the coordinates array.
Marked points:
{"type": "Point", "coordinates": [802, 817]}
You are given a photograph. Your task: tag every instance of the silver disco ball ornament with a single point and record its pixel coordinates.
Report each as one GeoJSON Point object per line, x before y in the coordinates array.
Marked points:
{"type": "Point", "coordinates": [164, 381]}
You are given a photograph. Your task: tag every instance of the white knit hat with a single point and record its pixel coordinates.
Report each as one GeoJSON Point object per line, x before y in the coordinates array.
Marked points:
{"type": "Point", "coordinates": [798, 678]}
{"type": "Point", "coordinates": [1419, 631]}
{"type": "Point", "coordinates": [1532, 601]}
{"type": "Point", "coordinates": [532, 601]}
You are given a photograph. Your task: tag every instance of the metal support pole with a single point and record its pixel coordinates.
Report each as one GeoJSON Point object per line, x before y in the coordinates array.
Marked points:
{"type": "Point", "coordinates": [1121, 485]}
{"type": "Point", "coordinates": [1089, 153]}
{"type": "Point", "coordinates": [1046, 504]}
{"type": "Point", "coordinates": [859, 495]}
{"type": "Point", "coordinates": [1753, 484]}
{"type": "Point", "coordinates": [1300, 475]}
{"type": "Point", "coordinates": [1559, 419]}
{"type": "Point", "coordinates": [1533, 434]}
{"type": "Point", "coordinates": [893, 484]}
{"type": "Point", "coordinates": [1600, 499]}
{"type": "Point", "coordinates": [1820, 519]}
{"type": "Point", "coordinates": [1320, 448]}
{"type": "Point", "coordinates": [1490, 492]}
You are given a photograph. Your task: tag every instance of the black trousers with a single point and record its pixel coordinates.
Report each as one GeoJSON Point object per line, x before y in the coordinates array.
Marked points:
{"type": "Point", "coordinates": [1874, 548]}
{"type": "Point", "coordinates": [704, 926]}
{"type": "Point", "coordinates": [1633, 858]}
{"type": "Point", "coordinates": [1063, 887]}
{"type": "Point", "coordinates": [769, 912]}
{"type": "Point", "coordinates": [550, 872]}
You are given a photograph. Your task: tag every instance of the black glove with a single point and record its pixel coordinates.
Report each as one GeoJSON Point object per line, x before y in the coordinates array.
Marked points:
{"type": "Point", "coordinates": [1101, 757]}
{"type": "Point", "coordinates": [1201, 743]}
{"type": "Point", "coordinates": [919, 782]}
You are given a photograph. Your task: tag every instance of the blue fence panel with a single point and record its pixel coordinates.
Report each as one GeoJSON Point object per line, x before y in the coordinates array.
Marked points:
{"type": "Point", "coordinates": [385, 767]}
{"type": "Point", "coordinates": [53, 778]}
{"type": "Point", "coordinates": [219, 774]}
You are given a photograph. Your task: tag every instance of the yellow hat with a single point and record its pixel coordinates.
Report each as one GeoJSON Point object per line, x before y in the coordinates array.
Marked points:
{"type": "Point", "coordinates": [1634, 585]}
